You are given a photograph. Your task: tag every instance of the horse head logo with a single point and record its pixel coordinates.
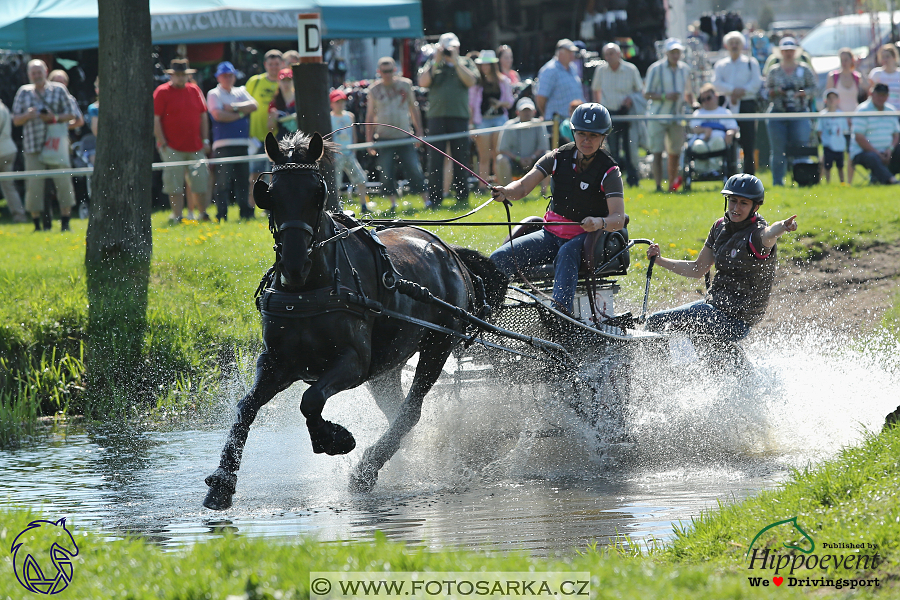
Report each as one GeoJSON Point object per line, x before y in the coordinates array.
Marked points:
{"type": "Point", "coordinates": [38, 541]}
{"type": "Point", "coordinates": [789, 546]}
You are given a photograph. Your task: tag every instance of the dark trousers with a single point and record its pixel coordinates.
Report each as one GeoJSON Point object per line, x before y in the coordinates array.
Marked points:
{"type": "Point", "coordinates": [459, 149]}
{"type": "Point", "coordinates": [880, 172]}
{"type": "Point", "coordinates": [232, 178]}
{"type": "Point", "coordinates": [748, 136]}
{"type": "Point", "coordinates": [619, 144]}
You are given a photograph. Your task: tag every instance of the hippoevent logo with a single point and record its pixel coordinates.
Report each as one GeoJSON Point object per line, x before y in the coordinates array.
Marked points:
{"type": "Point", "coordinates": [42, 557]}
{"type": "Point", "coordinates": [771, 565]}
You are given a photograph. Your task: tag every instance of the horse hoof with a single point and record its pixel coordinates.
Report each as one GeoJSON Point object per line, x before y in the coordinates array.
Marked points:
{"type": "Point", "coordinates": [221, 489]}
{"type": "Point", "coordinates": [363, 479]}
{"type": "Point", "coordinates": [331, 439]}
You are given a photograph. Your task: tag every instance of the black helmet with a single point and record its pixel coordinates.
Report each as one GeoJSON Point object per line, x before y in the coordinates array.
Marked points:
{"type": "Point", "coordinates": [746, 186]}
{"type": "Point", "coordinates": [592, 117]}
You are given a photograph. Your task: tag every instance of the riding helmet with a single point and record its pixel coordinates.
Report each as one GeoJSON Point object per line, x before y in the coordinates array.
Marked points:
{"type": "Point", "coordinates": [592, 117]}
{"type": "Point", "coordinates": [746, 186]}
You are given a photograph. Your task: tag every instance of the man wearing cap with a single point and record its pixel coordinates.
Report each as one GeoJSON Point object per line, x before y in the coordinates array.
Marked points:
{"type": "Point", "coordinates": [520, 147]}
{"type": "Point", "coordinates": [669, 89]}
{"type": "Point", "coordinates": [181, 129]}
{"type": "Point", "coordinates": [262, 88]}
{"type": "Point", "coordinates": [230, 108]}
{"type": "Point", "coordinates": [615, 84]}
{"type": "Point", "coordinates": [393, 102]}
{"type": "Point", "coordinates": [558, 82]}
{"type": "Point", "coordinates": [873, 140]}
{"type": "Point", "coordinates": [448, 77]}
{"type": "Point", "coordinates": [737, 77]}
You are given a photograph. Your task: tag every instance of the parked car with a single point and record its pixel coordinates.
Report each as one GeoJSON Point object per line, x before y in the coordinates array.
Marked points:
{"type": "Point", "coordinates": [863, 33]}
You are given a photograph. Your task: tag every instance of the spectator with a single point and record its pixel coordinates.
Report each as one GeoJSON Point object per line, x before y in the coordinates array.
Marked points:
{"type": "Point", "coordinates": [668, 87]}
{"type": "Point", "coordinates": [392, 101]}
{"type": "Point", "coordinates": [831, 135]}
{"type": "Point", "coordinates": [283, 105]}
{"type": "Point", "coordinates": [93, 114]}
{"type": "Point", "coordinates": [262, 88]}
{"type": "Point", "coordinates": [887, 73]}
{"type": "Point", "coordinates": [8, 154]}
{"type": "Point", "coordinates": [38, 104]}
{"type": "Point", "coordinates": [505, 54]}
{"type": "Point", "coordinates": [61, 77]}
{"type": "Point", "coordinates": [345, 161]}
{"type": "Point", "coordinates": [737, 78]}
{"type": "Point", "coordinates": [873, 143]}
{"type": "Point", "coordinates": [558, 82]}
{"type": "Point", "coordinates": [789, 84]}
{"type": "Point", "coordinates": [615, 84]}
{"type": "Point", "coordinates": [291, 58]}
{"type": "Point", "coordinates": [489, 100]}
{"type": "Point", "coordinates": [448, 77]}
{"type": "Point", "coordinates": [565, 128]}
{"type": "Point", "coordinates": [230, 109]}
{"type": "Point", "coordinates": [520, 147]}
{"type": "Point", "coordinates": [710, 132]}
{"type": "Point", "coordinates": [852, 89]}
{"type": "Point", "coordinates": [336, 59]}
{"type": "Point", "coordinates": [181, 128]}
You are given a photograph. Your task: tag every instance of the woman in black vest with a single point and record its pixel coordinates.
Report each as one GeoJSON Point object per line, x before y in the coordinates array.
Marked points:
{"type": "Point", "coordinates": [587, 196]}
{"type": "Point", "coordinates": [742, 247]}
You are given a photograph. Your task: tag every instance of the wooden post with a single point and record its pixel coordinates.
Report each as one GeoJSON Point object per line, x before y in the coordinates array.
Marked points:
{"type": "Point", "coordinates": [311, 89]}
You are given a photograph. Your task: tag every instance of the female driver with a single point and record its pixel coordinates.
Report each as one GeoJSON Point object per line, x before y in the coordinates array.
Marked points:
{"type": "Point", "coordinates": [742, 247]}
{"type": "Point", "coordinates": [587, 196]}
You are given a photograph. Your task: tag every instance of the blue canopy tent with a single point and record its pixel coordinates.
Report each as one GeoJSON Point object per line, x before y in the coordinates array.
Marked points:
{"type": "Point", "coordinates": [46, 26]}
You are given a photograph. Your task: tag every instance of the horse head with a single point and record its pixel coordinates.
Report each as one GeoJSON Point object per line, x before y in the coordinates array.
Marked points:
{"type": "Point", "coordinates": [295, 200]}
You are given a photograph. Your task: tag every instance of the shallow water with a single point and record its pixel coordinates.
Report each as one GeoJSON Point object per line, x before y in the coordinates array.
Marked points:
{"type": "Point", "coordinates": [488, 468]}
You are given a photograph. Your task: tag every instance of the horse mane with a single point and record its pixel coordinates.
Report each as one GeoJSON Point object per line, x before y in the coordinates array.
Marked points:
{"type": "Point", "coordinates": [300, 141]}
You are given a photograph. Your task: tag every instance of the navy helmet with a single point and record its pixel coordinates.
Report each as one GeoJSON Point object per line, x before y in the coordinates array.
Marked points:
{"type": "Point", "coordinates": [592, 117]}
{"type": "Point", "coordinates": [746, 186]}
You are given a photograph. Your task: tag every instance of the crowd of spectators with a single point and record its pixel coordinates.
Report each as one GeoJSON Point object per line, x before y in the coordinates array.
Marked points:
{"type": "Point", "coordinates": [481, 91]}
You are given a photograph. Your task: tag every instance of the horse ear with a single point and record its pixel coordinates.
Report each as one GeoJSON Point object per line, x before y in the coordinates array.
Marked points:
{"type": "Point", "coordinates": [272, 150]}
{"type": "Point", "coordinates": [316, 148]}
{"type": "Point", "coordinates": [261, 194]}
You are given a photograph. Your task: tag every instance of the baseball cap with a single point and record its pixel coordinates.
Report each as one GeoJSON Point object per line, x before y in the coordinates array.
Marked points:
{"type": "Point", "coordinates": [225, 68]}
{"type": "Point", "coordinates": [830, 92]}
{"type": "Point", "coordinates": [567, 44]}
{"type": "Point", "coordinates": [881, 88]}
{"type": "Point", "coordinates": [448, 39]}
{"type": "Point", "coordinates": [789, 43]}
{"type": "Point", "coordinates": [674, 44]}
{"type": "Point", "coordinates": [286, 73]}
{"type": "Point", "coordinates": [336, 95]}
{"type": "Point", "coordinates": [524, 103]}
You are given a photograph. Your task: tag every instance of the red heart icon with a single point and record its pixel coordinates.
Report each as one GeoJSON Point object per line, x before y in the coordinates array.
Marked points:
{"type": "Point", "coordinates": [778, 580]}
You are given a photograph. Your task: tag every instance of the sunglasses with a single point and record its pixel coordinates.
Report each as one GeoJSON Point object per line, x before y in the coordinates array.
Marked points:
{"type": "Point", "coordinates": [705, 98]}
{"type": "Point", "coordinates": [386, 71]}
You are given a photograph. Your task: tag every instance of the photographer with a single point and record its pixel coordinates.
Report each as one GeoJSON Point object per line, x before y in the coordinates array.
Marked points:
{"type": "Point", "coordinates": [790, 87]}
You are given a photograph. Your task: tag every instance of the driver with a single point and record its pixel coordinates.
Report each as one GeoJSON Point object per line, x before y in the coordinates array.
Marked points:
{"type": "Point", "coordinates": [742, 247]}
{"type": "Point", "coordinates": [587, 196]}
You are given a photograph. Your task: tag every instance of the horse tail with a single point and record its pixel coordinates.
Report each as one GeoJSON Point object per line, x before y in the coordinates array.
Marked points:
{"type": "Point", "coordinates": [493, 282]}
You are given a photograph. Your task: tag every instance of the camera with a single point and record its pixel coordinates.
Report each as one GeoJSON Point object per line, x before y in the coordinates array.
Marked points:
{"type": "Point", "coordinates": [44, 111]}
{"type": "Point", "coordinates": [791, 102]}
{"type": "Point", "coordinates": [447, 52]}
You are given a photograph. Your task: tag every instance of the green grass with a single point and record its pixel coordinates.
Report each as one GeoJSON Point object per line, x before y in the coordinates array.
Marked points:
{"type": "Point", "coordinates": [201, 313]}
{"type": "Point", "coordinates": [850, 499]}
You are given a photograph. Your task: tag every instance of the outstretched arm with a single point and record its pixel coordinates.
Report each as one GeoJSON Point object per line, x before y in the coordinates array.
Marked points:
{"type": "Point", "coordinates": [520, 188]}
{"type": "Point", "coordinates": [695, 269]}
{"type": "Point", "coordinates": [771, 233]}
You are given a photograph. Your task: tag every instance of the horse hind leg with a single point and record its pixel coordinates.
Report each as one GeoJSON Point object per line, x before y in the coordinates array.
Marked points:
{"type": "Point", "coordinates": [387, 392]}
{"type": "Point", "coordinates": [431, 361]}
{"type": "Point", "coordinates": [270, 380]}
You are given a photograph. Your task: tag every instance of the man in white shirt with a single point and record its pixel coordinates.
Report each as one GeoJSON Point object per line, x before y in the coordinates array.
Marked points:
{"type": "Point", "coordinates": [615, 82]}
{"type": "Point", "coordinates": [738, 78]}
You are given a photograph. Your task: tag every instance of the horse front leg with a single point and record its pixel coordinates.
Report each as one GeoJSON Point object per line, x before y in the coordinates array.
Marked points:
{"type": "Point", "coordinates": [270, 380]}
{"type": "Point", "coordinates": [431, 361]}
{"type": "Point", "coordinates": [348, 371]}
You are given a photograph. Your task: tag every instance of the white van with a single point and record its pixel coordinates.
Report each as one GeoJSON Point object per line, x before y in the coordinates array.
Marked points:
{"type": "Point", "coordinates": [863, 33]}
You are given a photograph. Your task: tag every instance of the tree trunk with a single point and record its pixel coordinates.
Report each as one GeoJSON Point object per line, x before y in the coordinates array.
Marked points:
{"type": "Point", "coordinates": [119, 236]}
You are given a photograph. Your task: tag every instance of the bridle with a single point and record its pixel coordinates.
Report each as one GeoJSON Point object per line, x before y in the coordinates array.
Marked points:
{"type": "Point", "coordinates": [276, 230]}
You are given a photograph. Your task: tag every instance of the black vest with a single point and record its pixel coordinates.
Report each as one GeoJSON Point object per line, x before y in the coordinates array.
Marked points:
{"type": "Point", "coordinates": [743, 280]}
{"type": "Point", "coordinates": [578, 195]}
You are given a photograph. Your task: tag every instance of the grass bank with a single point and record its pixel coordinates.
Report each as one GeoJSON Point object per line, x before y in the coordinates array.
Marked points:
{"type": "Point", "coordinates": [847, 500]}
{"type": "Point", "coordinates": [201, 313]}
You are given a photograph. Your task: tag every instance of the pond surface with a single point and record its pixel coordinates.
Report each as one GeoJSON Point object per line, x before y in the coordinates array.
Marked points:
{"type": "Point", "coordinates": [487, 468]}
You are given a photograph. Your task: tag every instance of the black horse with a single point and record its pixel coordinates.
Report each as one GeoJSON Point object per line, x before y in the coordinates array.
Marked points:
{"type": "Point", "coordinates": [319, 329]}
